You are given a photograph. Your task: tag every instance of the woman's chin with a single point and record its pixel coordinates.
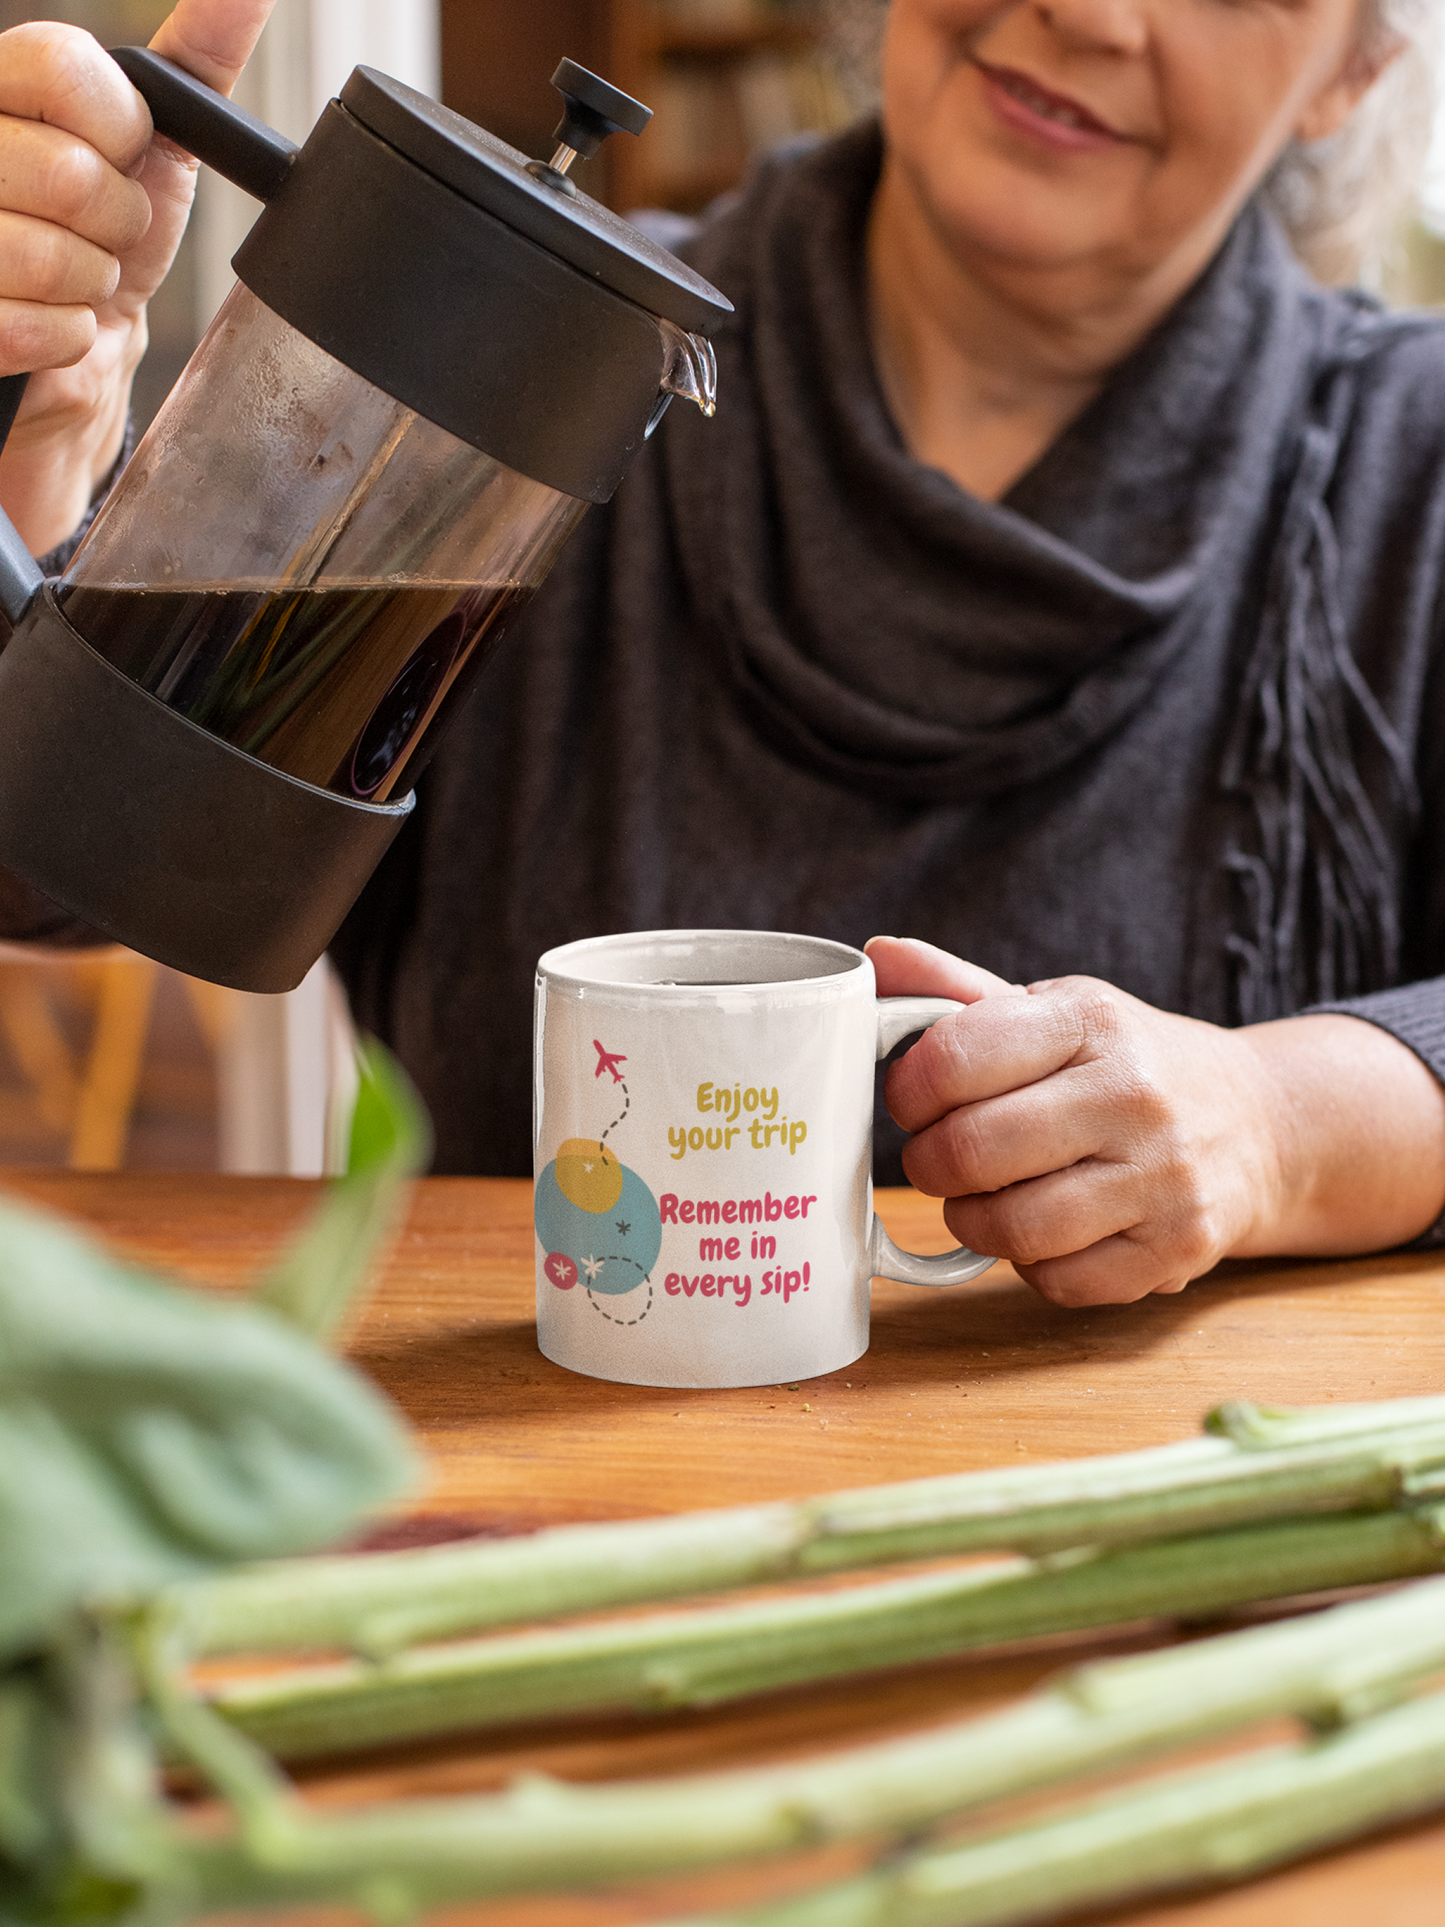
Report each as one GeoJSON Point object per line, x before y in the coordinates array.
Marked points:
{"type": "Point", "coordinates": [983, 213]}
{"type": "Point", "coordinates": [1021, 240]}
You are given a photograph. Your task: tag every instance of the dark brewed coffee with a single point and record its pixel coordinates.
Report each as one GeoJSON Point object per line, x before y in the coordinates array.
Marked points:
{"type": "Point", "coordinates": [332, 685]}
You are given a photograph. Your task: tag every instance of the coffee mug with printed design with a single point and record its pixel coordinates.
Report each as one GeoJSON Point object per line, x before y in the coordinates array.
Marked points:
{"type": "Point", "coordinates": [702, 1134]}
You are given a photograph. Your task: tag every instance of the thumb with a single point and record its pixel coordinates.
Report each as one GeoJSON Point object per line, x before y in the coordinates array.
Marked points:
{"type": "Point", "coordinates": [213, 39]}
{"type": "Point", "coordinates": [908, 967]}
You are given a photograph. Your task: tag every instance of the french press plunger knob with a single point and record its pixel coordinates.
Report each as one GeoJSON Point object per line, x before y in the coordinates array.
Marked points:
{"type": "Point", "coordinates": [595, 111]}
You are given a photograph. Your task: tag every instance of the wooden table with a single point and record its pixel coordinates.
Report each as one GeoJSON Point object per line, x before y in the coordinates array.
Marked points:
{"type": "Point", "coordinates": [979, 1375]}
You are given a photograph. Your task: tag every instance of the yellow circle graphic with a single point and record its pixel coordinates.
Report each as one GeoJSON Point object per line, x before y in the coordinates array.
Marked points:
{"type": "Point", "coordinates": [588, 1175]}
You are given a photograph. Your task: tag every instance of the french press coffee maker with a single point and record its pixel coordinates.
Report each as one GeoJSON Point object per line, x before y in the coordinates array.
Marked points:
{"type": "Point", "coordinates": [437, 354]}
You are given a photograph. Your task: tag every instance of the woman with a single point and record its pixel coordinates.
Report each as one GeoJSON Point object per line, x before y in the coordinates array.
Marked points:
{"type": "Point", "coordinates": [1058, 582]}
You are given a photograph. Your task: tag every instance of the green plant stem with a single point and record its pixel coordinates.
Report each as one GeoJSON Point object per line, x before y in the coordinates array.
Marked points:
{"type": "Point", "coordinates": [542, 1834]}
{"type": "Point", "coordinates": [1259, 1465]}
{"type": "Point", "coordinates": [1220, 1824]}
{"type": "Point", "coordinates": [687, 1659]}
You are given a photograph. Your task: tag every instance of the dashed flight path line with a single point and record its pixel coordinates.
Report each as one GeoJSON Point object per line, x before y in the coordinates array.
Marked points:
{"type": "Point", "coordinates": [591, 1299]}
{"type": "Point", "coordinates": [626, 1107]}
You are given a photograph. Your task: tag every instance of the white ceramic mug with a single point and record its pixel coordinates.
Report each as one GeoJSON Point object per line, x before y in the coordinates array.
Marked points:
{"type": "Point", "coordinates": [702, 1138]}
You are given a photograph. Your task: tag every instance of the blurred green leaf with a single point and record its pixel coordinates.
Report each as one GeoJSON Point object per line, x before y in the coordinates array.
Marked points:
{"type": "Point", "coordinates": [148, 1432]}
{"type": "Point", "coordinates": [389, 1128]}
{"type": "Point", "coordinates": [390, 1141]}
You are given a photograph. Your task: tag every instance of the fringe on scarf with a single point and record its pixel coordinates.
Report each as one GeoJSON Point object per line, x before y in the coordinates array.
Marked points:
{"type": "Point", "coordinates": [1320, 889]}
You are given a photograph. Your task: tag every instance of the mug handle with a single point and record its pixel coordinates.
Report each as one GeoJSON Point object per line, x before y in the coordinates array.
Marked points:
{"type": "Point", "coordinates": [899, 1017]}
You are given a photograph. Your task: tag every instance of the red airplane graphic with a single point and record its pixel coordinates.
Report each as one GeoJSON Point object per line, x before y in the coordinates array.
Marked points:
{"type": "Point", "coordinates": [608, 1060]}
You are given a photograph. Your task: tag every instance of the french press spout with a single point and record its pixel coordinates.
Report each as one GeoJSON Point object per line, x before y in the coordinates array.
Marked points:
{"type": "Point", "coordinates": [437, 354]}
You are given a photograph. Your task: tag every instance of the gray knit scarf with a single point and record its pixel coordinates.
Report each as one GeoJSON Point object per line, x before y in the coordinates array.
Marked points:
{"type": "Point", "coordinates": [1318, 876]}
{"type": "Point", "coordinates": [913, 642]}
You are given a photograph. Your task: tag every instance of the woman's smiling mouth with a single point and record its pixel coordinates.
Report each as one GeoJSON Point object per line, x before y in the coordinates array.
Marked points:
{"type": "Point", "coordinates": [1053, 119]}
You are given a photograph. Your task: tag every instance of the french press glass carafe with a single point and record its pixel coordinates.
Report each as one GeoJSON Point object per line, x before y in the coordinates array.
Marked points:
{"type": "Point", "coordinates": [436, 356]}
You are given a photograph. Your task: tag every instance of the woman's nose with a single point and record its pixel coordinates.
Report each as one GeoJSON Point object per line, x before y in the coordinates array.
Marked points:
{"type": "Point", "coordinates": [1111, 26]}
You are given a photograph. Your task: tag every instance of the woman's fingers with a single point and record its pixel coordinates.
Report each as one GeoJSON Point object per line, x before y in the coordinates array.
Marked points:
{"type": "Point", "coordinates": [213, 39]}
{"type": "Point", "coordinates": [1116, 1271]}
{"type": "Point", "coordinates": [999, 1141]}
{"type": "Point", "coordinates": [71, 126]}
{"type": "Point", "coordinates": [61, 76]}
{"type": "Point", "coordinates": [67, 218]}
{"type": "Point", "coordinates": [1170, 1236]}
{"type": "Point", "coordinates": [42, 262]}
{"type": "Point", "coordinates": [908, 967]}
{"type": "Point", "coordinates": [58, 177]}
{"type": "Point", "coordinates": [999, 1045]}
{"type": "Point", "coordinates": [1046, 1218]}
{"type": "Point", "coordinates": [37, 334]}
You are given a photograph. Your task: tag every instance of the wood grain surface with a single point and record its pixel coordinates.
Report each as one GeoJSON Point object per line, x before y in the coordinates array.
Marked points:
{"type": "Point", "coordinates": [976, 1375]}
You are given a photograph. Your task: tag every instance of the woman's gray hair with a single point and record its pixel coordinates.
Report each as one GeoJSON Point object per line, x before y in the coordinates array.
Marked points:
{"type": "Point", "coordinates": [1341, 200]}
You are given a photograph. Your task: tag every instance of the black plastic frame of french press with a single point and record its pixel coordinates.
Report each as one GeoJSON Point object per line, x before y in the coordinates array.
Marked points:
{"type": "Point", "coordinates": [416, 289]}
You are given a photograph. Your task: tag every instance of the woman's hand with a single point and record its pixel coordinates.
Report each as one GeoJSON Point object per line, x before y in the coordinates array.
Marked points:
{"type": "Point", "coordinates": [91, 213]}
{"type": "Point", "coordinates": [1109, 1150]}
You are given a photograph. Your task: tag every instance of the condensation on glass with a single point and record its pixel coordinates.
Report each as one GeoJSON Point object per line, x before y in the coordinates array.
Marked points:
{"type": "Point", "coordinates": [303, 566]}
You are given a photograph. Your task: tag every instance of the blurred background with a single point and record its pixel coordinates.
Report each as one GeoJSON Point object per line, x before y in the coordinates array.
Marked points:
{"type": "Point", "coordinates": [107, 1060]}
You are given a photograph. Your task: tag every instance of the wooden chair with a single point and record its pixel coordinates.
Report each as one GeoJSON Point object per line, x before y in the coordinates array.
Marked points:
{"type": "Point", "coordinates": [285, 1065]}
{"type": "Point", "coordinates": [88, 1093]}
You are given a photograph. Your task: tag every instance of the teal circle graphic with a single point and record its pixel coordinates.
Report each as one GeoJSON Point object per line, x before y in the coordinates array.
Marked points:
{"type": "Point", "coordinates": [613, 1250]}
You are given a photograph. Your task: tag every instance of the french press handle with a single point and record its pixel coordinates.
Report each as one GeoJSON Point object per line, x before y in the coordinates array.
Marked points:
{"type": "Point", "coordinates": [20, 574]}
{"type": "Point", "coordinates": [239, 147]}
